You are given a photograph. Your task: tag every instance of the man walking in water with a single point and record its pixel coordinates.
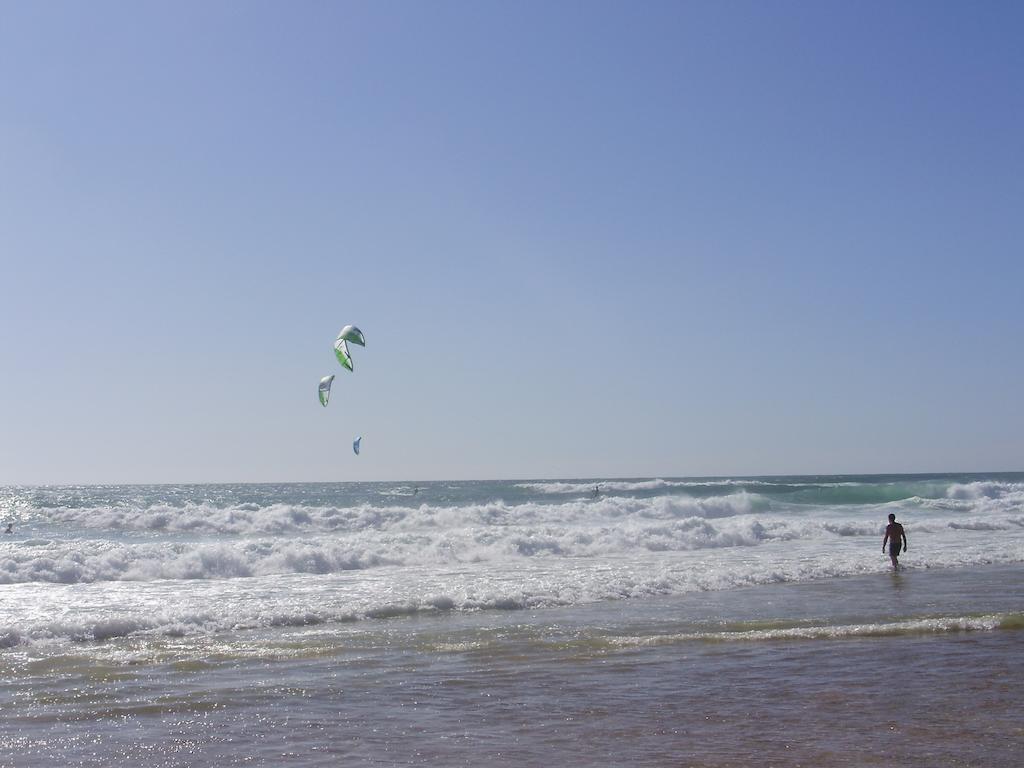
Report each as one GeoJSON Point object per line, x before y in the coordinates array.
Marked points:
{"type": "Point", "coordinates": [895, 536]}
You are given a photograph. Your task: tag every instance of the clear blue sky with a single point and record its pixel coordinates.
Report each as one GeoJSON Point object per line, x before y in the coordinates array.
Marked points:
{"type": "Point", "coordinates": [582, 239]}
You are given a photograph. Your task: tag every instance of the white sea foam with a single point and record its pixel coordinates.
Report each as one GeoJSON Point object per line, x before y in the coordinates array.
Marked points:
{"type": "Point", "coordinates": [200, 542]}
{"type": "Point", "coordinates": [625, 486]}
{"type": "Point", "coordinates": [105, 566]}
{"type": "Point", "coordinates": [86, 562]}
{"type": "Point", "coordinates": [928, 626]}
{"type": "Point", "coordinates": [249, 519]}
{"type": "Point", "coordinates": [240, 519]}
{"type": "Point", "coordinates": [986, 489]}
{"type": "Point", "coordinates": [305, 600]}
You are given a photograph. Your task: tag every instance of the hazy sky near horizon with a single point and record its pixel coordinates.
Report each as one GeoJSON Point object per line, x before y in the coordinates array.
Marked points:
{"type": "Point", "coordinates": [582, 239]}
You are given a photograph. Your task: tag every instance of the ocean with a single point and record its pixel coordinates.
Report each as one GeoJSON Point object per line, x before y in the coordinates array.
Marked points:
{"type": "Point", "coordinates": [596, 622]}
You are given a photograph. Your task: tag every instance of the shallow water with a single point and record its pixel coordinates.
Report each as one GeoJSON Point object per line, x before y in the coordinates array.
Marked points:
{"type": "Point", "coordinates": [840, 672]}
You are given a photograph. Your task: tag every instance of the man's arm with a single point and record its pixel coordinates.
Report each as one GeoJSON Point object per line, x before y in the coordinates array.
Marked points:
{"type": "Point", "coordinates": [885, 539]}
{"type": "Point", "coordinates": [903, 533]}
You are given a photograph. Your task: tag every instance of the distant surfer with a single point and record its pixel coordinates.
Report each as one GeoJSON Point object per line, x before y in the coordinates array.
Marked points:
{"type": "Point", "coordinates": [896, 539]}
{"type": "Point", "coordinates": [597, 490]}
{"type": "Point", "coordinates": [10, 528]}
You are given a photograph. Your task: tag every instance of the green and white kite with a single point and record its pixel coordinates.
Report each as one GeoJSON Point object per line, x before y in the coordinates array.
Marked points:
{"type": "Point", "coordinates": [353, 334]}
{"type": "Point", "coordinates": [341, 352]}
{"type": "Point", "coordinates": [325, 389]}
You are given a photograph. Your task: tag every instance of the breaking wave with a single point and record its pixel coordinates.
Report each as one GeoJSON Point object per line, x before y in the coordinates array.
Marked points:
{"type": "Point", "coordinates": [96, 564]}
{"type": "Point", "coordinates": [251, 519]}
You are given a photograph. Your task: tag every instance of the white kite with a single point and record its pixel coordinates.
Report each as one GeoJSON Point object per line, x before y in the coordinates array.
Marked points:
{"type": "Point", "coordinates": [324, 391]}
{"type": "Point", "coordinates": [353, 334]}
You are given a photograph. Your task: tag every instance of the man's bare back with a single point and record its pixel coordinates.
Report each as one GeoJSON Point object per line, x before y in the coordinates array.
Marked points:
{"type": "Point", "coordinates": [896, 537]}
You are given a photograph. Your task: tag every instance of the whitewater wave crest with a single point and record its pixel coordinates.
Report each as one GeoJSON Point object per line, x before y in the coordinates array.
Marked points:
{"type": "Point", "coordinates": [277, 519]}
{"type": "Point", "coordinates": [986, 489]}
{"type": "Point", "coordinates": [915, 627]}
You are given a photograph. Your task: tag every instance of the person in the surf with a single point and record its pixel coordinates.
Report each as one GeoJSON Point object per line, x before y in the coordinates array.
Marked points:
{"type": "Point", "coordinates": [896, 538]}
{"type": "Point", "coordinates": [10, 528]}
